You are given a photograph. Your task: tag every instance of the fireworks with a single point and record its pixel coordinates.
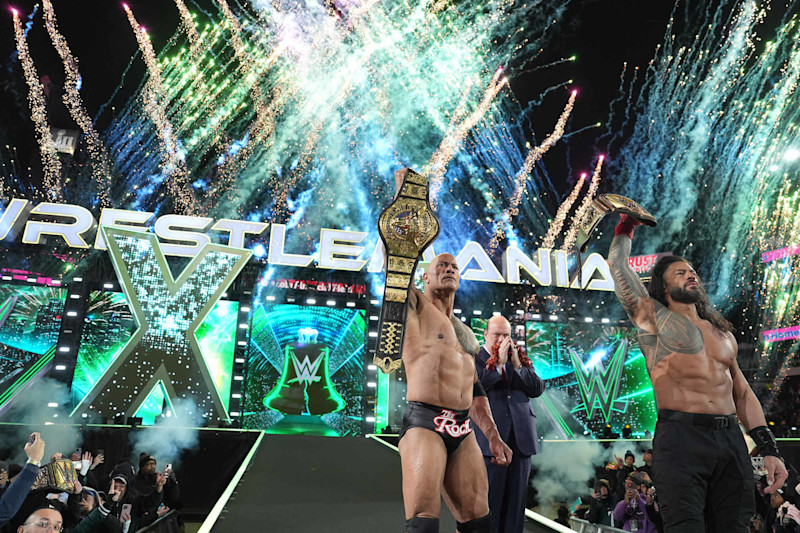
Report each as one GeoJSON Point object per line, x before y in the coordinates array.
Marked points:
{"type": "Point", "coordinates": [50, 162]}
{"type": "Point", "coordinates": [298, 107]}
{"type": "Point", "coordinates": [154, 97]}
{"type": "Point", "coordinates": [561, 215]}
{"type": "Point", "coordinates": [569, 240]}
{"type": "Point", "coordinates": [519, 182]}
{"type": "Point", "coordinates": [101, 172]}
{"type": "Point", "coordinates": [705, 155]}
{"type": "Point", "coordinates": [188, 25]}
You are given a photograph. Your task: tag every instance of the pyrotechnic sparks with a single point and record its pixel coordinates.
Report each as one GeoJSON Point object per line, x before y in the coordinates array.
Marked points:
{"type": "Point", "coordinates": [153, 96]}
{"type": "Point", "coordinates": [713, 121]}
{"type": "Point", "coordinates": [101, 169]}
{"type": "Point", "coordinates": [188, 25]}
{"type": "Point", "coordinates": [51, 164]}
{"type": "Point", "coordinates": [534, 155]}
{"type": "Point", "coordinates": [455, 136]}
{"type": "Point", "coordinates": [350, 94]}
{"type": "Point", "coordinates": [561, 215]}
{"type": "Point", "coordinates": [572, 233]}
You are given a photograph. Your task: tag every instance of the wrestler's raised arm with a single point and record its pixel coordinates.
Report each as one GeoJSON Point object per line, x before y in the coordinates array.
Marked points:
{"type": "Point", "coordinates": [629, 289]}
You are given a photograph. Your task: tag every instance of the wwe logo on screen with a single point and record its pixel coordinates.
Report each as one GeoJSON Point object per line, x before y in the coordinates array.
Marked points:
{"type": "Point", "coordinates": [305, 370]}
{"type": "Point", "coordinates": [599, 386]}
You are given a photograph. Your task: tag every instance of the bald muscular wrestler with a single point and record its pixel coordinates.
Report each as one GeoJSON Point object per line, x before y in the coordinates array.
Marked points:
{"type": "Point", "coordinates": [438, 450]}
{"type": "Point", "coordinates": [700, 463]}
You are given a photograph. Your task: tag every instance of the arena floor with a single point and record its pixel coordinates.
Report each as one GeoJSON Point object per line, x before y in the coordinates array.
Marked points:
{"type": "Point", "coordinates": [302, 483]}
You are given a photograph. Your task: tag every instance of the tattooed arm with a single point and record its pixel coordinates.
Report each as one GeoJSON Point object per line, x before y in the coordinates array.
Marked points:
{"type": "Point", "coordinates": [480, 411]}
{"type": "Point", "coordinates": [634, 298]}
{"type": "Point", "coordinates": [627, 285]}
{"type": "Point", "coordinates": [466, 337]}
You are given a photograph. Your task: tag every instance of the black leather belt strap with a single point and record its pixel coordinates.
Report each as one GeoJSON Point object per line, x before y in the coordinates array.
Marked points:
{"type": "Point", "coordinates": [699, 419]}
{"type": "Point", "coordinates": [407, 226]}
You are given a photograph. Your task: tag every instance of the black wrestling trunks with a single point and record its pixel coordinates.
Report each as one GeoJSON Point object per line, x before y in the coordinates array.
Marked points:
{"type": "Point", "coordinates": [452, 425]}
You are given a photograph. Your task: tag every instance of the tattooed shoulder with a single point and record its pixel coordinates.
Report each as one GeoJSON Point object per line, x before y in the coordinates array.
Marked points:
{"type": "Point", "coordinates": [674, 334]}
{"type": "Point", "coordinates": [465, 336]}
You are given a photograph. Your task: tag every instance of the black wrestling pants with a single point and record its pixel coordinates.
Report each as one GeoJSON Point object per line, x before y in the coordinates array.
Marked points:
{"type": "Point", "coordinates": [702, 473]}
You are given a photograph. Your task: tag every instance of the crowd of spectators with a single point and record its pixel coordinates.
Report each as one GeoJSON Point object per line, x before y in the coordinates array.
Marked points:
{"type": "Point", "coordinates": [100, 498]}
{"type": "Point", "coordinates": [784, 412]}
{"type": "Point", "coordinates": [625, 496]}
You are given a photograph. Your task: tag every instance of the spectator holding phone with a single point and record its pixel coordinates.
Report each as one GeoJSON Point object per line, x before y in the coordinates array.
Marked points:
{"type": "Point", "coordinates": [653, 512]}
{"type": "Point", "coordinates": [631, 512]}
{"type": "Point", "coordinates": [145, 483]}
{"type": "Point", "coordinates": [127, 504]}
{"type": "Point", "coordinates": [603, 503]}
{"type": "Point", "coordinates": [15, 494]}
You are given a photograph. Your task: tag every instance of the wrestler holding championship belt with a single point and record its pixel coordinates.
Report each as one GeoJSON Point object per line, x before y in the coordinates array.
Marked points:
{"type": "Point", "coordinates": [700, 462]}
{"type": "Point", "coordinates": [438, 450]}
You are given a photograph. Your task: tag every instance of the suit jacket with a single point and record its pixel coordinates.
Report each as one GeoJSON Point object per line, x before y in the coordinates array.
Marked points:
{"type": "Point", "coordinates": [510, 403]}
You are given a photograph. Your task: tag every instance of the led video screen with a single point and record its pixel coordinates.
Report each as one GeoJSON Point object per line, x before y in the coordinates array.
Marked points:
{"type": "Point", "coordinates": [596, 377]}
{"type": "Point", "coordinates": [30, 320]}
{"type": "Point", "coordinates": [109, 324]}
{"type": "Point", "coordinates": [305, 370]}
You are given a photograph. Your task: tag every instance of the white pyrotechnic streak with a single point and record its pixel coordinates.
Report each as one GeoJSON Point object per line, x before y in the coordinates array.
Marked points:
{"type": "Point", "coordinates": [50, 162]}
{"type": "Point", "coordinates": [72, 99]}
{"type": "Point", "coordinates": [533, 156]}
{"type": "Point", "coordinates": [154, 105]}
{"type": "Point", "coordinates": [188, 25]}
{"type": "Point", "coordinates": [572, 234]}
{"type": "Point", "coordinates": [455, 136]}
{"type": "Point", "coordinates": [561, 215]}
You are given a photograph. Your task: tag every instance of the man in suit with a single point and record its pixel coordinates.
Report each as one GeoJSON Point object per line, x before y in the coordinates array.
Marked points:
{"type": "Point", "coordinates": [509, 380]}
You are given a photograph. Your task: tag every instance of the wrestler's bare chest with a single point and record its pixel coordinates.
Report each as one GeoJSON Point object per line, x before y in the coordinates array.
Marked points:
{"type": "Point", "coordinates": [689, 363]}
{"type": "Point", "coordinates": [667, 334]}
{"type": "Point", "coordinates": [440, 371]}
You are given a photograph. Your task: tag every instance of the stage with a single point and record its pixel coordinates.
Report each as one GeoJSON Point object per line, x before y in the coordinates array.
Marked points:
{"type": "Point", "coordinates": [298, 483]}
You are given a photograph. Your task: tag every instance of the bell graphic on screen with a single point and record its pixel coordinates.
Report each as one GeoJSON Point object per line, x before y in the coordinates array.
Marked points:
{"type": "Point", "coordinates": [305, 386]}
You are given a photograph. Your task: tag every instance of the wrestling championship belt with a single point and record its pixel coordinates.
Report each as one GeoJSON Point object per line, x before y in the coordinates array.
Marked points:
{"type": "Point", "coordinates": [609, 203]}
{"type": "Point", "coordinates": [406, 228]}
{"type": "Point", "coordinates": [56, 475]}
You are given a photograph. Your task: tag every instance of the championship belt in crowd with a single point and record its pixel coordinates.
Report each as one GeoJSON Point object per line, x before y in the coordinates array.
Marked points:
{"type": "Point", "coordinates": [406, 228]}
{"type": "Point", "coordinates": [56, 475]}
{"type": "Point", "coordinates": [609, 203]}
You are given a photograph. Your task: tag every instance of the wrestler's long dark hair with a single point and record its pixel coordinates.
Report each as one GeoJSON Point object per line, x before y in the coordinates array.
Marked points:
{"type": "Point", "coordinates": [658, 289]}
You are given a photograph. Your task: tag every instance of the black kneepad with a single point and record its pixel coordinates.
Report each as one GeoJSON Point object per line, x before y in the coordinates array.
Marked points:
{"type": "Point", "coordinates": [479, 525]}
{"type": "Point", "coordinates": [420, 524]}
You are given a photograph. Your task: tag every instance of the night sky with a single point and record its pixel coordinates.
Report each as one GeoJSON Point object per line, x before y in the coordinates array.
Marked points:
{"type": "Point", "coordinates": [602, 34]}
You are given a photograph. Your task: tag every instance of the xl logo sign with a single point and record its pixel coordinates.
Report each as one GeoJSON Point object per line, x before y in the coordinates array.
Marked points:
{"type": "Point", "coordinates": [167, 312]}
{"type": "Point", "coordinates": [599, 386]}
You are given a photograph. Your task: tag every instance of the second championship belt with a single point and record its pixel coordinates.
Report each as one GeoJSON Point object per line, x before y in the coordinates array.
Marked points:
{"type": "Point", "coordinates": [609, 203]}
{"type": "Point", "coordinates": [407, 226]}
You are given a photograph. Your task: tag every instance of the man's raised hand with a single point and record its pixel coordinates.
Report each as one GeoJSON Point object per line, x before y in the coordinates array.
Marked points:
{"type": "Point", "coordinates": [34, 448]}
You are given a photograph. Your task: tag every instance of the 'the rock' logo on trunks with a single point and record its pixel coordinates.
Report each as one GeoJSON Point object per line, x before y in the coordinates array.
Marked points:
{"type": "Point", "coordinates": [446, 422]}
